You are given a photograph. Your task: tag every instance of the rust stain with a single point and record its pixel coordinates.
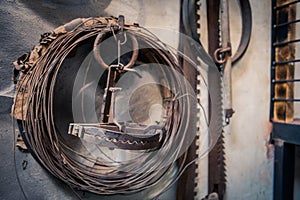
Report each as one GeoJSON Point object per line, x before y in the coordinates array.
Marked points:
{"type": "Point", "coordinates": [284, 111]}
{"type": "Point", "coordinates": [269, 147]}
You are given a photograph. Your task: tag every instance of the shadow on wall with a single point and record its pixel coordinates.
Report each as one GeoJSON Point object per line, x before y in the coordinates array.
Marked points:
{"type": "Point", "coordinates": [21, 24]}
{"type": "Point", "coordinates": [59, 12]}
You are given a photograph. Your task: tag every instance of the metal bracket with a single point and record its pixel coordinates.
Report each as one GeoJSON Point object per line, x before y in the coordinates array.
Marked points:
{"type": "Point", "coordinates": [132, 136]}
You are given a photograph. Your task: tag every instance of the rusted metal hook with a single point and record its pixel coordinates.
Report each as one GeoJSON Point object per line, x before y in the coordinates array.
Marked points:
{"type": "Point", "coordinates": [218, 58]}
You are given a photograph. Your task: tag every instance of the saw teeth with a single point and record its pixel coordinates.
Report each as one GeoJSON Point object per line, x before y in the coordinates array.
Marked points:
{"type": "Point", "coordinates": [198, 93]}
{"type": "Point", "coordinates": [198, 13]}
{"type": "Point", "coordinates": [114, 140]}
{"type": "Point", "coordinates": [220, 159]}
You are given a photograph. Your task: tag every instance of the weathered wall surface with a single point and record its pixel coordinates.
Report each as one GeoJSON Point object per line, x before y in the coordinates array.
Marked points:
{"type": "Point", "coordinates": [249, 171]}
{"type": "Point", "coordinates": [21, 24]}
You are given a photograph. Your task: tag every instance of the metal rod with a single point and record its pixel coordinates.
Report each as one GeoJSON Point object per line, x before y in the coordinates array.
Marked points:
{"type": "Point", "coordinates": [286, 42]}
{"type": "Point", "coordinates": [285, 62]}
{"type": "Point", "coordinates": [225, 35]}
{"type": "Point", "coordinates": [283, 99]}
{"type": "Point", "coordinates": [272, 72]}
{"type": "Point", "coordinates": [225, 24]}
{"type": "Point", "coordinates": [286, 81]}
{"type": "Point", "coordinates": [286, 23]}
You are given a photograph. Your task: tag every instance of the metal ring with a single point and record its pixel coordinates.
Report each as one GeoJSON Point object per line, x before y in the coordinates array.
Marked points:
{"type": "Point", "coordinates": [217, 57]}
{"type": "Point", "coordinates": [97, 54]}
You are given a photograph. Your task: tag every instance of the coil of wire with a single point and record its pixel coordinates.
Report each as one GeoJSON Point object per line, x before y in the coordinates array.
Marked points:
{"type": "Point", "coordinates": [56, 151]}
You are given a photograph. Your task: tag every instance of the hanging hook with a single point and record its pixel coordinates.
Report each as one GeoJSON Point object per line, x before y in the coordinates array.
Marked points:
{"type": "Point", "coordinates": [97, 46]}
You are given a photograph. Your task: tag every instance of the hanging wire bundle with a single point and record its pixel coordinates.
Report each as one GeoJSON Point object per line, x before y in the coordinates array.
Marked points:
{"type": "Point", "coordinates": [35, 108]}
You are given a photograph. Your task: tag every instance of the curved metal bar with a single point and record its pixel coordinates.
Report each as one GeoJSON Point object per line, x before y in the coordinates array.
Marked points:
{"type": "Point", "coordinates": [246, 14]}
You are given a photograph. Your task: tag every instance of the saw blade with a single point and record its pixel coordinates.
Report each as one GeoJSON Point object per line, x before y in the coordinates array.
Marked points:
{"type": "Point", "coordinates": [198, 176]}
{"type": "Point", "coordinates": [217, 167]}
{"type": "Point", "coordinates": [216, 158]}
